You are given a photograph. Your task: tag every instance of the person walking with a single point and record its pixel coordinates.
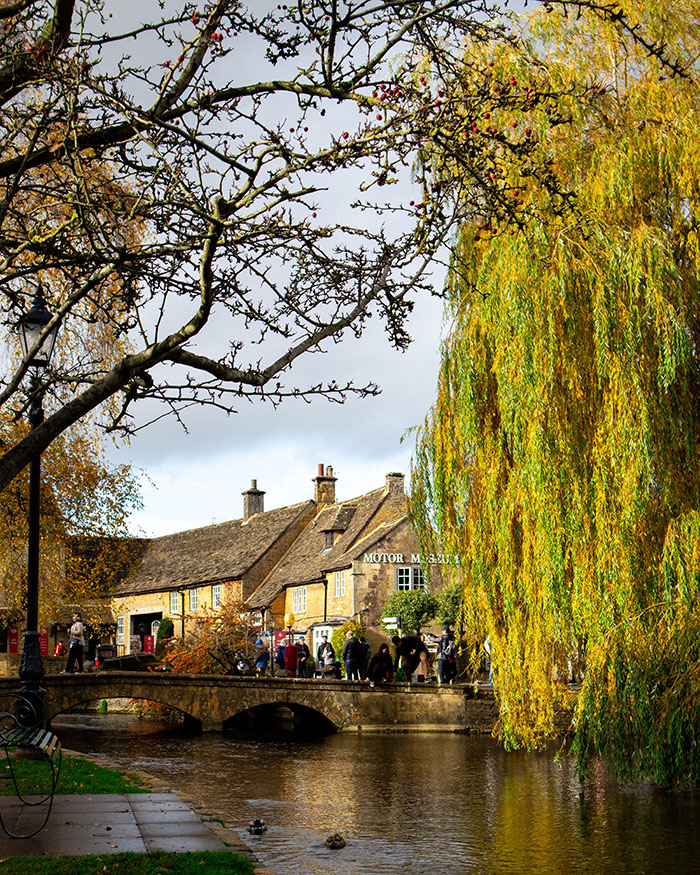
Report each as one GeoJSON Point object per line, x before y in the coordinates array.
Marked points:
{"type": "Point", "coordinates": [352, 656]}
{"type": "Point", "coordinates": [76, 643]}
{"type": "Point", "coordinates": [445, 655]}
{"type": "Point", "coordinates": [381, 667]}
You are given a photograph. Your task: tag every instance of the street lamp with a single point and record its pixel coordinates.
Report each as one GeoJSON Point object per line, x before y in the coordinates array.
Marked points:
{"type": "Point", "coordinates": [31, 670]}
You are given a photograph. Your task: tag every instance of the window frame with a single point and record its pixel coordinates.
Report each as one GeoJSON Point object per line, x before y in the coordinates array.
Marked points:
{"type": "Point", "coordinates": [194, 599]}
{"type": "Point", "coordinates": [299, 600]}
{"type": "Point", "coordinates": [215, 596]}
{"type": "Point", "coordinates": [410, 577]}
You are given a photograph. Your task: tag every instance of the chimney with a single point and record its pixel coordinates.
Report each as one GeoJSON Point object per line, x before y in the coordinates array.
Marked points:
{"type": "Point", "coordinates": [394, 483]}
{"type": "Point", "coordinates": [325, 486]}
{"type": "Point", "coordinates": [253, 500]}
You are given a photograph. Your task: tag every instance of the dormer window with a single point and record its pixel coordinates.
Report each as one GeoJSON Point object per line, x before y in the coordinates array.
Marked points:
{"type": "Point", "coordinates": [330, 538]}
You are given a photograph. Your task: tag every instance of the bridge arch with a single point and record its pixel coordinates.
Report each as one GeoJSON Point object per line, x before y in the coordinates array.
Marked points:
{"type": "Point", "coordinates": [281, 716]}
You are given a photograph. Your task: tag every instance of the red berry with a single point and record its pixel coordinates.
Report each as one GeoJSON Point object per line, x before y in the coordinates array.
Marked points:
{"type": "Point", "coordinates": [346, 135]}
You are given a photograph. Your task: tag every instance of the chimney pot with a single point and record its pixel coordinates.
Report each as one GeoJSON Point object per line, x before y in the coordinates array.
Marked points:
{"type": "Point", "coordinates": [324, 492]}
{"type": "Point", "coordinates": [253, 500]}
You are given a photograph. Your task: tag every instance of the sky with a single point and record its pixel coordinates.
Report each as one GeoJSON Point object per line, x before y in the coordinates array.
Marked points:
{"type": "Point", "coordinates": [195, 479]}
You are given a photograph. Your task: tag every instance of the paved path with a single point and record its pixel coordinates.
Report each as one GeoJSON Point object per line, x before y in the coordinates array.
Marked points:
{"type": "Point", "coordinates": [115, 823]}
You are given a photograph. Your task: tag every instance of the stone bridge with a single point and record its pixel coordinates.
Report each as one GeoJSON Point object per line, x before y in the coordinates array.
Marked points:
{"type": "Point", "coordinates": [213, 702]}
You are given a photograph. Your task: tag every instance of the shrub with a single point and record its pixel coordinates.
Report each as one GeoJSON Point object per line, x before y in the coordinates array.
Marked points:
{"type": "Point", "coordinates": [166, 630]}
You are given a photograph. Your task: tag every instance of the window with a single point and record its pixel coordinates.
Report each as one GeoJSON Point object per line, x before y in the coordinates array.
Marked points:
{"type": "Point", "coordinates": [418, 581]}
{"type": "Point", "coordinates": [174, 602]}
{"type": "Point", "coordinates": [120, 630]}
{"type": "Point", "coordinates": [216, 596]}
{"type": "Point", "coordinates": [403, 578]}
{"type": "Point", "coordinates": [330, 537]}
{"type": "Point", "coordinates": [299, 600]}
{"type": "Point", "coordinates": [339, 584]}
{"type": "Point", "coordinates": [409, 578]}
{"type": "Point", "coordinates": [194, 599]}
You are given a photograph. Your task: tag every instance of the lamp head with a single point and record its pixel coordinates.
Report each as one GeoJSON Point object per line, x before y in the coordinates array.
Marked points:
{"type": "Point", "coordinates": [32, 324]}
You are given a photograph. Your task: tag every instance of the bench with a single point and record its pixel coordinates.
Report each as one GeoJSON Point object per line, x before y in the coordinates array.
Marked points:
{"type": "Point", "coordinates": [21, 731]}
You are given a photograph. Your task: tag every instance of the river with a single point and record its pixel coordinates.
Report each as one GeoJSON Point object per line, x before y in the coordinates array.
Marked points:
{"type": "Point", "coordinates": [408, 803]}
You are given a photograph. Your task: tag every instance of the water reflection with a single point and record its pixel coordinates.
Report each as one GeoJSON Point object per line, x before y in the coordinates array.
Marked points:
{"type": "Point", "coordinates": [408, 803]}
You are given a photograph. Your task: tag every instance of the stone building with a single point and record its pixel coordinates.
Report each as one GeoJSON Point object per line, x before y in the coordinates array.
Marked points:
{"type": "Point", "coordinates": [322, 560]}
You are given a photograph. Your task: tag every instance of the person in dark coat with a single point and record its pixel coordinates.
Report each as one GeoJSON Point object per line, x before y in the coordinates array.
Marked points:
{"type": "Point", "coordinates": [352, 656]}
{"type": "Point", "coordinates": [408, 651]}
{"type": "Point", "coordinates": [279, 656]}
{"type": "Point", "coordinates": [445, 656]}
{"type": "Point", "coordinates": [303, 653]}
{"type": "Point", "coordinates": [325, 656]}
{"type": "Point", "coordinates": [381, 667]}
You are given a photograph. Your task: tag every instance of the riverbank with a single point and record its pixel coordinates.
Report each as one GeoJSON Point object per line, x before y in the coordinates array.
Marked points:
{"type": "Point", "coordinates": [152, 819]}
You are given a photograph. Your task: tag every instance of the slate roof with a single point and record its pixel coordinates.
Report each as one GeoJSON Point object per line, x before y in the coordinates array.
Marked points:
{"type": "Point", "coordinates": [211, 554]}
{"type": "Point", "coordinates": [365, 519]}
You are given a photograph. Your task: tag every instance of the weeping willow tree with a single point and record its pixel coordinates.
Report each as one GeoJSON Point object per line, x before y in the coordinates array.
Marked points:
{"type": "Point", "coordinates": [561, 459]}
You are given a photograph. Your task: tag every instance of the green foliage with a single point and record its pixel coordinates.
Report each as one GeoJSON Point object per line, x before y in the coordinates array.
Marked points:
{"type": "Point", "coordinates": [449, 603]}
{"type": "Point", "coordinates": [338, 640]}
{"type": "Point", "coordinates": [561, 458]}
{"type": "Point", "coordinates": [156, 863]}
{"type": "Point", "coordinates": [414, 608]}
{"type": "Point", "coordinates": [166, 630]}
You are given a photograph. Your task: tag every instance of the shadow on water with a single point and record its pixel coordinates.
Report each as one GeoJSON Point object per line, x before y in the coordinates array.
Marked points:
{"type": "Point", "coordinates": [405, 803]}
{"type": "Point", "coordinates": [273, 720]}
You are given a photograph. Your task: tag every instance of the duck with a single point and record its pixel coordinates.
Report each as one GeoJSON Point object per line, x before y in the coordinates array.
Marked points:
{"type": "Point", "coordinates": [257, 827]}
{"type": "Point", "coordinates": [335, 841]}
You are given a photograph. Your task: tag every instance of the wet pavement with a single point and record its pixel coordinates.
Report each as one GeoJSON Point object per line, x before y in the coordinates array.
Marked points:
{"type": "Point", "coordinates": [113, 824]}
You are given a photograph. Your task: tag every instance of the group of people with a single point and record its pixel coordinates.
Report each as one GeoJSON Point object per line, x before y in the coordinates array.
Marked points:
{"type": "Point", "coordinates": [410, 654]}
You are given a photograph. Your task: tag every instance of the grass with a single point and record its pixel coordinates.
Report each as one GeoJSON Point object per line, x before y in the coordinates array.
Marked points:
{"type": "Point", "coordinates": [77, 777]}
{"type": "Point", "coordinates": [159, 863]}
{"type": "Point", "coordinates": [84, 777]}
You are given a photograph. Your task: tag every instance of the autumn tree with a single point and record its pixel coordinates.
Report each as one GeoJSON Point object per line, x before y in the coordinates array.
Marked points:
{"type": "Point", "coordinates": [172, 173]}
{"type": "Point", "coordinates": [85, 539]}
{"type": "Point", "coordinates": [561, 460]}
{"type": "Point", "coordinates": [216, 643]}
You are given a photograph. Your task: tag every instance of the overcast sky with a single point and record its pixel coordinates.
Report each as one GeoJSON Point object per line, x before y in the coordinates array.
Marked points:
{"type": "Point", "coordinates": [194, 479]}
{"type": "Point", "coordinates": [197, 478]}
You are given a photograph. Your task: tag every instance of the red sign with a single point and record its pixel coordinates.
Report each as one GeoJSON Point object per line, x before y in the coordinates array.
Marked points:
{"type": "Point", "coordinates": [149, 644]}
{"type": "Point", "coordinates": [14, 640]}
{"type": "Point", "coordinates": [44, 641]}
{"type": "Point", "coordinates": [281, 637]}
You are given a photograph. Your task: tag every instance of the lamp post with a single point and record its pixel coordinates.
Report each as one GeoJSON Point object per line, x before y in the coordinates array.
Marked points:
{"type": "Point", "coordinates": [31, 670]}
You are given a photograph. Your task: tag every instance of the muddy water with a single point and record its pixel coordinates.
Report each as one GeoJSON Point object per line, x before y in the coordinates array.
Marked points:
{"type": "Point", "coordinates": [407, 803]}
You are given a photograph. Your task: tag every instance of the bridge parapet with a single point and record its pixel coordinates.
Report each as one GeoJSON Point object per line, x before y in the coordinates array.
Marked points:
{"type": "Point", "coordinates": [349, 706]}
